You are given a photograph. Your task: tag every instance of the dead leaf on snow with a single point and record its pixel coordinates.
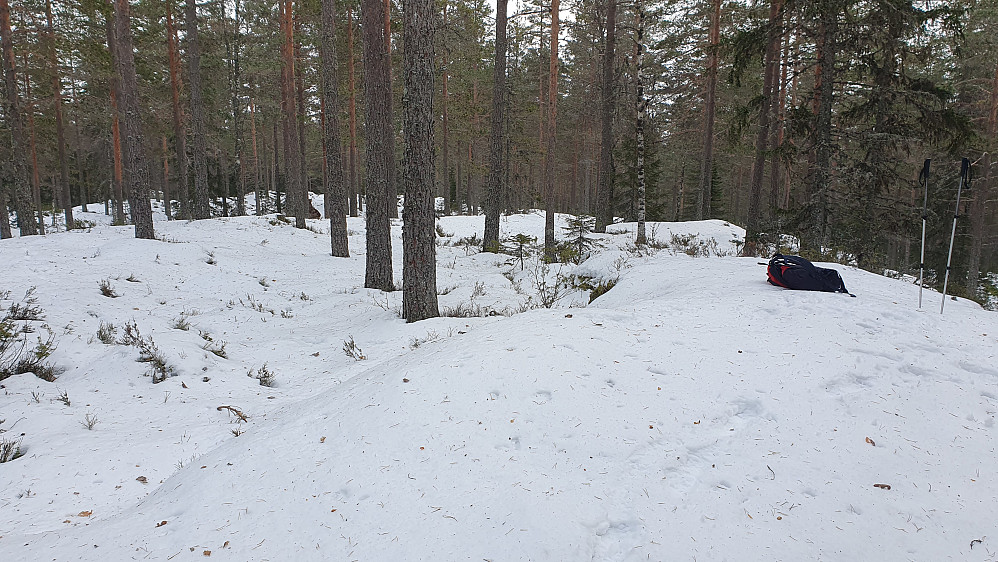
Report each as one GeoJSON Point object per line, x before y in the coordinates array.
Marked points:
{"type": "Point", "coordinates": [161, 523]}
{"type": "Point", "coordinates": [142, 479]}
{"type": "Point", "coordinates": [85, 514]}
{"type": "Point", "coordinates": [870, 441]}
{"type": "Point", "coordinates": [882, 486]}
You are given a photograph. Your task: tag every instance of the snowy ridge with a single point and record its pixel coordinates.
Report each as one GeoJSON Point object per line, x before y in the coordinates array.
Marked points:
{"type": "Point", "coordinates": [691, 412]}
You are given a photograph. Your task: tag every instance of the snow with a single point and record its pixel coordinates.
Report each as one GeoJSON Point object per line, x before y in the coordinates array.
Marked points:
{"type": "Point", "coordinates": [692, 412]}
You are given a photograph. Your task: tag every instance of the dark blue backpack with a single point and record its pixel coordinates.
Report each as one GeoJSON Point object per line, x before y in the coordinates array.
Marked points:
{"type": "Point", "coordinates": [795, 272]}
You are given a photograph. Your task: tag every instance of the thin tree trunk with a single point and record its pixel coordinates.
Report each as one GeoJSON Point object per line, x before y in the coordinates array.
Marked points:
{"type": "Point", "coordinates": [299, 90]}
{"type": "Point", "coordinates": [20, 192]}
{"type": "Point", "coordinates": [237, 112]}
{"type": "Point", "coordinates": [179, 134]}
{"type": "Point", "coordinates": [166, 180]}
{"type": "Point", "coordinates": [379, 154]}
{"type": "Point", "coordinates": [977, 210]}
{"type": "Point", "coordinates": [393, 190]}
{"type": "Point", "coordinates": [608, 101]}
{"type": "Point", "coordinates": [824, 93]}
{"type": "Point", "coordinates": [201, 208]}
{"type": "Point", "coordinates": [335, 197]}
{"type": "Point", "coordinates": [278, 179]}
{"type": "Point", "coordinates": [296, 203]}
{"type": "Point", "coordinates": [642, 106]}
{"type": "Point", "coordinates": [80, 159]}
{"type": "Point", "coordinates": [710, 102]}
{"type": "Point", "coordinates": [119, 172]}
{"type": "Point", "coordinates": [223, 179]}
{"type": "Point", "coordinates": [445, 144]}
{"type": "Point", "coordinates": [752, 232]}
{"type": "Point", "coordinates": [419, 274]}
{"type": "Point", "coordinates": [130, 115]}
{"type": "Point", "coordinates": [549, 155]}
{"type": "Point", "coordinates": [354, 187]}
{"type": "Point", "coordinates": [36, 184]}
{"type": "Point", "coordinates": [65, 198]}
{"type": "Point", "coordinates": [494, 191]}
{"type": "Point", "coordinates": [258, 197]}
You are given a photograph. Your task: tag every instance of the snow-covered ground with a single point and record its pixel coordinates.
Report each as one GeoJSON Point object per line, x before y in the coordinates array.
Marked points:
{"type": "Point", "coordinates": [692, 412]}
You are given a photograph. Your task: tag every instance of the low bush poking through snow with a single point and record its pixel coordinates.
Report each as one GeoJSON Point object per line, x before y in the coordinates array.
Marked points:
{"type": "Point", "coordinates": [17, 354]}
{"type": "Point", "coordinates": [10, 449]}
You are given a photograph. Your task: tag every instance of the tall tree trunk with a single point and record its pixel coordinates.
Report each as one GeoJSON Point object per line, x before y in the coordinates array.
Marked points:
{"type": "Point", "coordinates": [379, 154]}
{"type": "Point", "coordinates": [551, 133]}
{"type": "Point", "coordinates": [642, 107]}
{"type": "Point", "coordinates": [166, 181]}
{"type": "Point", "coordinates": [20, 192]}
{"type": "Point", "coordinates": [130, 117]}
{"type": "Point", "coordinates": [419, 265]}
{"type": "Point", "coordinates": [445, 141]}
{"type": "Point", "coordinates": [235, 83]}
{"type": "Point", "coordinates": [497, 135]}
{"type": "Point", "coordinates": [65, 198]}
{"type": "Point", "coordinates": [201, 209]}
{"type": "Point", "coordinates": [179, 134]}
{"type": "Point", "coordinates": [299, 90]}
{"type": "Point", "coordinates": [296, 202]}
{"type": "Point", "coordinates": [824, 93]}
{"type": "Point", "coordinates": [278, 178]}
{"type": "Point", "coordinates": [710, 102]}
{"type": "Point", "coordinates": [393, 189]}
{"type": "Point", "coordinates": [752, 228]}
{"type": "Point", "coordinates": [80, 158]}
{"type": "Point", "coordinates": [335, 196]}
{"type": "Point", "coordinates": [36, 184]}
{"type": "Point", "coordinates": [978, 228]}
{"type": "Point", "coordinates": [605, 174]}
{"type": "Point", "coordinates": [118, 179]}
{"type": "Point", "coordinates": [354, 187]}
{"type": "Point", "coordinates": [258, 193]}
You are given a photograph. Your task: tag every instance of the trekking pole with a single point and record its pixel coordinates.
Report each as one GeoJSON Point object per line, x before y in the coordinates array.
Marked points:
{"type": "Point", "coordinates": [964, 178]}
{"type": "Point", "coordinates": [923, 179]}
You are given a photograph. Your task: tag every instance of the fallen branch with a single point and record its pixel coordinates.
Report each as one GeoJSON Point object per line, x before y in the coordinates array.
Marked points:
{"type": "Point", "coordinates": [234, 411]}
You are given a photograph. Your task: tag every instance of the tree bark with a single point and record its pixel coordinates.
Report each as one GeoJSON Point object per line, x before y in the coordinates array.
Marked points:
{"type": "Point", "coordinates": [130, 116]}
{"type": "Point", "coordinates": [258, 197]}
{"type": "Point", "coordinates": [20, 192]}
{"type": "Point", "coordinates": [354, 187]}
{"type": "Point", "coordinates": [445, 141]}
{"type": "Point", "coordinates": [36, 184]}
{"type": "Point", "coordinates": [80, 159]}
{"type": "Point", "coordinates": [497, 135]}
{"type": "Point", "coordinates": [379, 154]}
{"type": "Point", "coordinates": [179, 134]}
{"type": "Point", "coordinates": [608, 101]}
{"type": "Point", "coordinates": [710, 103]}
{"type": "Point", "coordinates": [393, 190]}
{"type": "Point", "coordinates": [299, 92]}
{"type": "Point", "coordinates": [296, 203]}
{"type": "Point", "coordinates": [419, 274]}
{"type": "Point", "coordinates": [642, 107]}
{"type": "Point", "coordinates": [201, 209]}
{"type": "Point", "coordinates": [752, 228]}
{"type": "Point", "coordinates": [336, 198]}
{"type": "Point", "coordinates": [65, 198]}
{"type": "Point", "coordinates": [166, 181]}
{"type": "Point", "coordinates": [549, 156]}
{"type": "Point", "coordinates": [235, 83]}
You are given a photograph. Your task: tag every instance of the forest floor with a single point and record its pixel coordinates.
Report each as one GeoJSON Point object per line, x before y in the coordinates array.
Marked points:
{"type": "Point", "coordinates": [692, 412]}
